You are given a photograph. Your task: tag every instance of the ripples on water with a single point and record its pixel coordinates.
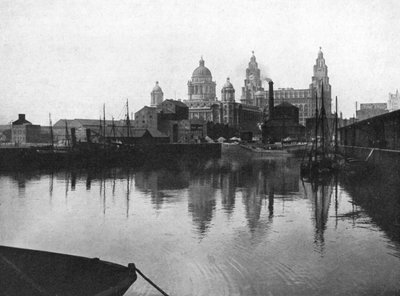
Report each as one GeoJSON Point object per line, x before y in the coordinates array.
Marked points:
{"type": "Point", "coordinates": [227, 228]}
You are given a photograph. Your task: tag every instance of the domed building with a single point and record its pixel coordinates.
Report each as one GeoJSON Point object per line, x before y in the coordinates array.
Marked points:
{"type": "Point", "coordinates": [229, 110]}
{"type": "Point", "coordinates": [157, 95]}
{"type": "Point", "coordinates": [202, 101]}
{"type": "Point", "coordinates": [201, 87]}
{"type": "Point", "coordinates": [204, 106]}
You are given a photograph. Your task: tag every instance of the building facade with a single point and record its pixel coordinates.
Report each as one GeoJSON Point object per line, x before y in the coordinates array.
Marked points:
{"type": "Point", "coordinates": [305, 99]}
{"type": "Point", "coordinates": [371, 110]}
{"type": "Point", "coordinates": [202, 100]}
{"type": "Point", "coordinates": [146, 118]}
{"type": "Point", "coordinates": [394, 101]}
{"type": "Point", "coordinates": [157, 95]}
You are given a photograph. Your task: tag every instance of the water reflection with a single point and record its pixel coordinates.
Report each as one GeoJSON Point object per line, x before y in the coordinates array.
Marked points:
{"type": "Point", "coordinates": [225, 228]}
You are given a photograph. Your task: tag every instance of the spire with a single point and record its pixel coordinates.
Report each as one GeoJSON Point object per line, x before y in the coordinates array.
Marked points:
{"type": "Point", "coordinates": [253, 57]}
{"type": "Point", "coordinates": [201, 62]}
{"type": "Point", "coordinates": [320, 54]}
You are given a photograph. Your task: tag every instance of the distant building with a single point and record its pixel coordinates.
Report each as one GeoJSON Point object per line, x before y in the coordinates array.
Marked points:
{"type": "Point", "coordinates": [394, 101]}
{"type": "Point", "coordinates": [203, 104]}
{"type": "Point", "coordinates": [5, 133]}
{"type": "Point", "coordinates": [157, 95]}
{"type": "Point", "coordinates": [305, 99]}
{"type": "Point", "coordinates": [283, 122]}
{"type": "Point", "coordinates": [24, 132]}
{"type": "Point", "coordinates": [202, 100]}
{"type": "Point", "coordinates": [371, 110]}
{"type": "Point", "coordinates": [146, 118]}
{"type": "Point", "coordinates": [86, 130]}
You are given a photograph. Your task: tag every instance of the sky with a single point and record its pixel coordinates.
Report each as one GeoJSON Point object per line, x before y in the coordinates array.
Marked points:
{"type": "Point", "coordinates": [68, 58]}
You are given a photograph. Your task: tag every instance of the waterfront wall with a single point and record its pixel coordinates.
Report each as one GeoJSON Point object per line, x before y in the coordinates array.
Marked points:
{"type": "Point", "coordinates": [95, 155]}
{"type": "Point", "coordinates": [381, 131]}
{"type": "Point", "coordinates": [383, 158]}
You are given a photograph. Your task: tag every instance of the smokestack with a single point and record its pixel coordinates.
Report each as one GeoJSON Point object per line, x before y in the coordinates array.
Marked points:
{"type": "Point", "coordinates": [21, 116]}
{"type": "Point", "coordinates": [271, 98]}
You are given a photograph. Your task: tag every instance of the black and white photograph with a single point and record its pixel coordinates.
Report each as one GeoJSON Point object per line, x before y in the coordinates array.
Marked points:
{"type": "Point", "coordinates": [199, 148]}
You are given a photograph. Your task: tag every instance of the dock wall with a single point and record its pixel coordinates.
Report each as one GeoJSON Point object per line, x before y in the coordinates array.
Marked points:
{"type": "Point", "coordinates": [383, 158]}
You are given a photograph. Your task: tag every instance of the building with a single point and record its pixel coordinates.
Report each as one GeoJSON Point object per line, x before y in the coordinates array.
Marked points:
{"type": "Point", "coordinates": [86, 130]}
{"type": "Point", "coordinates": [283, 121]}
{"type": "Point", "coordinates": [305, 99]}
{"type": "Point", "coordinates": [371, 110]}
{"type": "Point", "coordinates": [146, 118]}
{"type": "Point", "coordinates": [202, 100]}
{"type": "Point", "coordinates": [394, 101]}
{"type": "Point", "coordinates": [157, 95]}
{"type": "Point", "coordinates": [24, 132]}
{"type": "Point", "coordinates": [252, 84]}
{"type": "Point", "coordinates": [204, 105]}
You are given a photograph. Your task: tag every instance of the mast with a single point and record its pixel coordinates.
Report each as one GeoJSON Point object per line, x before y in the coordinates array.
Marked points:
{"type": "Point", "coordinates": [66, 133]}
{"type": "Point", "coordinates": [323, 114]}
{"type": "Point", "coordinates": [316, 121]}
{"type": "Point", "coordinates": [128, 124]}
{"type": "Point", "coordinates": [113, 128]}
{"type": "Point", "coordinates": [104, 124]}
{"type": "Point", "coordinates": [336, 127]}
{"type": "Point", "coordinates": [51, 131]}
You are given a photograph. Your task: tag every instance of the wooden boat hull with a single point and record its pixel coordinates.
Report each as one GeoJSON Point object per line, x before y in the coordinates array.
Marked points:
{"type": "Point", "coordinates": [37, 273]}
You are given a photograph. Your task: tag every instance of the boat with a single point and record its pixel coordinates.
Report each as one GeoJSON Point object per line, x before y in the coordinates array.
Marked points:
{"type": "Point", "coordinates": [322, 158]}
{"type": "Point", "coordinates": [25, 272]}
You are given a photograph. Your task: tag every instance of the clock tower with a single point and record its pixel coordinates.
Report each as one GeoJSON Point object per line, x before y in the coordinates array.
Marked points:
{"type": "Point", "coordinates": [320, 80]}
{"type": "Point", "coordinates": [252, 83]}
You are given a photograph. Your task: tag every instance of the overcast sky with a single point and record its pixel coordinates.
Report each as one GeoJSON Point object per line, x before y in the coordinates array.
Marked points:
{"type": "Point", "coordinates": [67, 58]}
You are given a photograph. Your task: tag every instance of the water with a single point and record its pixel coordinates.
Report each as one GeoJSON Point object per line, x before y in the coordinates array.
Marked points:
{"type": "Point", "coordinates": [227, 229]}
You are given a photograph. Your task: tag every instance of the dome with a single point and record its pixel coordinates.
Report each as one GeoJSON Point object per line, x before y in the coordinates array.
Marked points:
{"type": "Point", "coordinates": [227, 84]}
{"type": "Point", "coordinates": [201, 70]}
{"type": "Point", "coordinates": [157, 88]}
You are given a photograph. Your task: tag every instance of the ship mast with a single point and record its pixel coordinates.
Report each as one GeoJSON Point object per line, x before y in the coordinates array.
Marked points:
{"type": "Point", "coordinates": [128, 124]}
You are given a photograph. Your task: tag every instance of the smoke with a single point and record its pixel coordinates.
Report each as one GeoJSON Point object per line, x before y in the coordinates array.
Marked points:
{"type": "Point", "coordinates": [267, 79]}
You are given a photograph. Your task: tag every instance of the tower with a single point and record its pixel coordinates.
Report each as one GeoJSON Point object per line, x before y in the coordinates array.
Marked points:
{"type": "Point", "coordinates": [320, 80]}
{"type": "Point", "coordinates": [228, 112]}
{"type": "Point", "coordinates": [157, 95]}
{"type": "Point", "coordinates": [252, 83]}
{"type": "Point", "coordinates": [201, 87]}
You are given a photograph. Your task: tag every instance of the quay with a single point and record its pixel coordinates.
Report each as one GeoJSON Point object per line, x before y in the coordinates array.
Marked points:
{"type": "Point", "coordinates": [96, 155]}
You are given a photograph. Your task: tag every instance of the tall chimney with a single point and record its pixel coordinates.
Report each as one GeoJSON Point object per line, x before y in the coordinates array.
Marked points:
{"type": "Point", "coordinates": [21, 116]}
{"type": "Point", "coordinates": [271, 98]}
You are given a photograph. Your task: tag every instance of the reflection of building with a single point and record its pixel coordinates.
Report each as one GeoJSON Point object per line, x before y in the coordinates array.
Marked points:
{"type": "Point", "coordinates": [394, 101]}
{"type": "Point", "coordinates": [201, 203]}
{"type": "Point", "coordinates": [156, 182]}
{"type": "Point", "coordinates": [320, 196]}
{"type": "Point", "coordinates": [370, 110]}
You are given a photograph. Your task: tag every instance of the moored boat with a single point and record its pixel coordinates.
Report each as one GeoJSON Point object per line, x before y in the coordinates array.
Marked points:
{"type": "Point", "coordinates": [36, 273]}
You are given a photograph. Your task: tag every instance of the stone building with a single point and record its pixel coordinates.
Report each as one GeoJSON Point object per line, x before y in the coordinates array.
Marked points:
{"type": "Point", "coordinates": [24, 132]}
{"type": "Point", "coordinates": [204, 105]}
{"type": "Point", "coordinates": [371, 110]}
{"type": "Point", "coordinates": [252, 85]}
{"type": "Point", "coordinates": [146, 118]}
{"type": "Point", "coordinates": [157, 95]}
{"type": "Point", "coordinates": [283, 121]}
{"type": "Point", "coordinates": [394, 101]}
{"type": "Point", "coordinates": [254, 94]}
{"type": "Point", "coordinates": [202, 100]}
